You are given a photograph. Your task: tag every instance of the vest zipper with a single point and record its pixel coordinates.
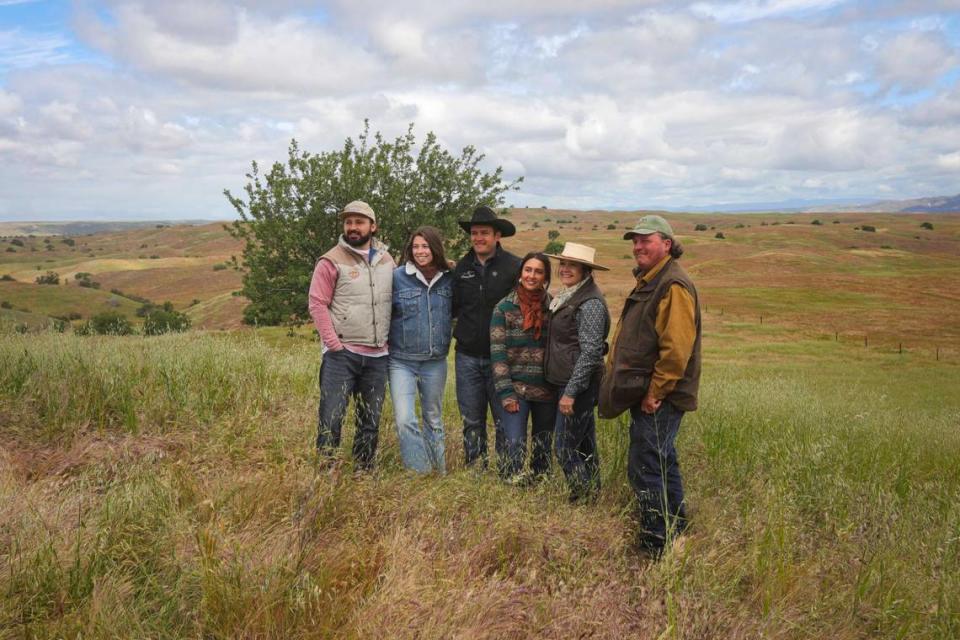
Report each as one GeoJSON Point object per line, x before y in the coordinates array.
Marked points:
{"type": "Point", "coordinates": [373, 303]}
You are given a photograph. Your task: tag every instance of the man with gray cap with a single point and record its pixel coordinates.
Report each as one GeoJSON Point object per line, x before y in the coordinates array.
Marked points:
{"type": "Point", "coordinates": [653, 370]}
{"type": "Point", "coordinates": [350, 296]}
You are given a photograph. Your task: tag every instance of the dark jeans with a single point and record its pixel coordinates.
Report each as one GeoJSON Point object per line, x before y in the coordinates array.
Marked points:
{"type": "Point", "coordinates": [475, 392]}
{"type": "Point", "coordinates": [515, 438]}
{"type": "Point", "coordinates": [344, 374]}
{"type": "Point", "coordinates": [576, 443]}
{"type": "Point", "coordinates": [654, 473]}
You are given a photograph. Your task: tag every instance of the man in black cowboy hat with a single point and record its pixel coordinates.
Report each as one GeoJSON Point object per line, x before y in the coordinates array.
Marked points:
{"type": "Point", "coordinates": [481, 279]}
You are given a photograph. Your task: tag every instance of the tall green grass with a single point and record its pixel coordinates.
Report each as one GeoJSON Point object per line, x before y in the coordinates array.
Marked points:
{"type": "Point", "coordinates": [167, 487]}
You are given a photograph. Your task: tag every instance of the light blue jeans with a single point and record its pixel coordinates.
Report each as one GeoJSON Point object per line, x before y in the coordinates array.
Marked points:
{"type": "Point", "coordinates": [421, 446]}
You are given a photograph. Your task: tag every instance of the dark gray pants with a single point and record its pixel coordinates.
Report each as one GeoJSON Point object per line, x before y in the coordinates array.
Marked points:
{"type": "Point", "coordinates": [344, 374]}
{"type": "Point", "coordinates": [576, 444]}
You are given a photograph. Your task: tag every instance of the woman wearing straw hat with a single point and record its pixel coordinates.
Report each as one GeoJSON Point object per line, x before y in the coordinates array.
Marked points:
{"type": "Point", "coordinates": [578, 327]}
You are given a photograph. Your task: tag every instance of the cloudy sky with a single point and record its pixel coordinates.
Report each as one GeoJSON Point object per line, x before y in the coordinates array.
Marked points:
{"type": "Point", "coordinates": [147, 109]}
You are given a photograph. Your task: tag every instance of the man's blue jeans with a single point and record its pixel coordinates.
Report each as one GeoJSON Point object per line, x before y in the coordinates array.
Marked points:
{"type": "Point", "coordinates": [344, 374]}
{"type": "Point", "coordinates": [514, 426]}
{"type": "Point", "coordinates": [576, 443]}
{"type": "Point", "coordinates": [654, 472]}
{"type": "Point", "coordinates": [421, 446]}
{"type": "Point", "coordinates": [475, 392]}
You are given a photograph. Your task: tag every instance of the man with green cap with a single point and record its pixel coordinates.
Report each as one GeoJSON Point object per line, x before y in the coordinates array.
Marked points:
{"type": "Point", "coordinates": [653, 370]}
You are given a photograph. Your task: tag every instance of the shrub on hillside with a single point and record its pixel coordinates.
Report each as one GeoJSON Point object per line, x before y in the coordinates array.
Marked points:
{"type": "Point", "coordinates": [7, 278]}
{"type": "Point", "coordinates": [50, 277]}
{"type": "Point", "coordinates": [69, 242]}
{"type": "Point", "coordinates": [6, 304]}
{"type": "Point", "coordinates": [700, 227]}
{"type": "Point", "coordinates": [110, 323]}
{"type": "Point", "coordinates": [161, 321]}
{"type": "Point", "coordinates": [816, 222]}
{"type": "Point", "coordinates": [219, 266]}
{"type": "Point", "coordinates": [17, 241]}
{"type": "Point", "coordinates": [927, 225]}
{"type": "Point", "coordinates": [719, 235]}
{"type": "Point", "coordinates": [868, 227]}
{"type": "Point", "coordinates": [554, 247]}
{"type": "Point", "coordinates": [83, 280]}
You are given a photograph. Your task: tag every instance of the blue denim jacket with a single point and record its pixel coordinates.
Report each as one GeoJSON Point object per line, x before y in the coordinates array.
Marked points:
{"type": "Point", "coordinates": [421, 321]}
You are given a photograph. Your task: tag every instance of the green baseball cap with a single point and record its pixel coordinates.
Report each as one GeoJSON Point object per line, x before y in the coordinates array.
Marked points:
{"type": "Point", "coordinates": [650, 224]}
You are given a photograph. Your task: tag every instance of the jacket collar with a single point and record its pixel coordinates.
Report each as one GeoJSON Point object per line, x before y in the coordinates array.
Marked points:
{"type": "Point", "coordinates": [373, 255]}
{"type": "Point", "coordinates": [411, 270]}
{"type": "Point", "coordinates": [645, 277]}
{"type": "Point", "coordinates": [493, 258]}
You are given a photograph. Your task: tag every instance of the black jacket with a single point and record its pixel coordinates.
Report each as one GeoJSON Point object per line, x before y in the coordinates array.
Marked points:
{"type": "Point", "coordinates": [475, 296]}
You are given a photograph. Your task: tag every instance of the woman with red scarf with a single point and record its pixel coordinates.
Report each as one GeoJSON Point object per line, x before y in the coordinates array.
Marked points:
{"type": "Point", "coordinates": [518, 338]}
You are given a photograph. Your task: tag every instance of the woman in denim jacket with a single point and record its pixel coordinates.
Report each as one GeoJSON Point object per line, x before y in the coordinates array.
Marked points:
{"type": "Point", "coordinates": [420, 328]}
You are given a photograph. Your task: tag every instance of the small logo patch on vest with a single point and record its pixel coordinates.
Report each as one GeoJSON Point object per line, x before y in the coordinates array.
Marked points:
{"type": "Point", "coordinates": [354, 274]}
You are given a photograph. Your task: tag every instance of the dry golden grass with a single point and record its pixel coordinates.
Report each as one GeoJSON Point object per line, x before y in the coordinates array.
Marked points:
{"type": "Point", "coordinates": [166, 487]}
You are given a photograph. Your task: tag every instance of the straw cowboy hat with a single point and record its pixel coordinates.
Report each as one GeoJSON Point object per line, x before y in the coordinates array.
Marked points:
{"type": "Point", "coordinates": [579, 253]}
{"type": "Point", "coordinates": [485, 216]}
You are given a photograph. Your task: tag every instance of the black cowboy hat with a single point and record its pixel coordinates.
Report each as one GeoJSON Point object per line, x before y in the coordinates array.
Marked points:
{"type": "Point", "coordinates": [486, 216]}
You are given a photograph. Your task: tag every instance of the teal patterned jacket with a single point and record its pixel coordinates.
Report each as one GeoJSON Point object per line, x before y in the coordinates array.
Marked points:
{"type": "Point", "coordinates": [516, 356]}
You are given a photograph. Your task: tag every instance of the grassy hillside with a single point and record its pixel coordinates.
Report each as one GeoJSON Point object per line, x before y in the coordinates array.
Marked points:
{"type": "Point", "coordinates": [64, 299]}
{"type": "Point", "coordinates": [181, 264]}
{"type": "Point", "coordinates": [898, 284]}
{"type": "Point", "coordinates": [167, 488]}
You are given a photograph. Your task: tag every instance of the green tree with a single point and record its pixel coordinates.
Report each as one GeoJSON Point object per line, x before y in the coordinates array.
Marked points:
{"type": "Point", "coordinates": [553, 246]}
{"type": "Point", "coordinates": [289, 217]}
{"type": "Point", "coordinates": [165, 320]}
{"type": "Point", "coordinates": [50, 277]}
{"type": "Point", "coordinates": [110, 323]}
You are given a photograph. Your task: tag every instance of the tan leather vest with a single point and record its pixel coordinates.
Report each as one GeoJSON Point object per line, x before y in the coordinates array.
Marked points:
{"type": "Point", "coordinates": [360, 308]}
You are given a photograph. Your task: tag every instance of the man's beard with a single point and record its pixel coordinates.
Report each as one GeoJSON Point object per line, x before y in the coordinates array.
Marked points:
{"type": "Point", "coordinates": [357, 242]}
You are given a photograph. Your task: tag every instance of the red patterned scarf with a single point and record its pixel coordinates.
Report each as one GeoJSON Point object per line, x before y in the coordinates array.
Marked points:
{"type": "Point", "coordinates": [531, 306]}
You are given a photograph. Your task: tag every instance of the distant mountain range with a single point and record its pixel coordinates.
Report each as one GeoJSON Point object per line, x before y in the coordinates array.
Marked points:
{"type": "Point", "coordinates": [933, 204]}
{"type": "Point", "coordinates": [82, 228]}
{"type": "Point", "coordinates": [937, 204]}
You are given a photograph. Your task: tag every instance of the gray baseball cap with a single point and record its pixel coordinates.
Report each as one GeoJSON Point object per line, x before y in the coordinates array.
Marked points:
{"type": "Point", "coordinates": [360, 208]}
{"type": "Point", "coordinates": [650, 224]}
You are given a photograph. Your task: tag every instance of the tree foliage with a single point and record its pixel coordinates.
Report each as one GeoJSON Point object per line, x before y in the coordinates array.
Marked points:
{"type": "Point", "coordinates": [289, 217]}
{"type": "Point", "coordinates": [164, 320]}
{"type": "Point", "coordinates": [110, 323]}
{"type": "Point", "coordinates": [50, 277]}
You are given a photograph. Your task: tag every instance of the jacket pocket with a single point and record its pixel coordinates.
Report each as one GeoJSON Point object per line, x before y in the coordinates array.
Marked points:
{"type": "Point", "coordinates": [620, 390]}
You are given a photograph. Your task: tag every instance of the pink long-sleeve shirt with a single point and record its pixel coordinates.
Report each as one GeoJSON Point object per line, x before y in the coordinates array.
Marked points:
{"type": "Point", "coordinates": [322, 286]}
